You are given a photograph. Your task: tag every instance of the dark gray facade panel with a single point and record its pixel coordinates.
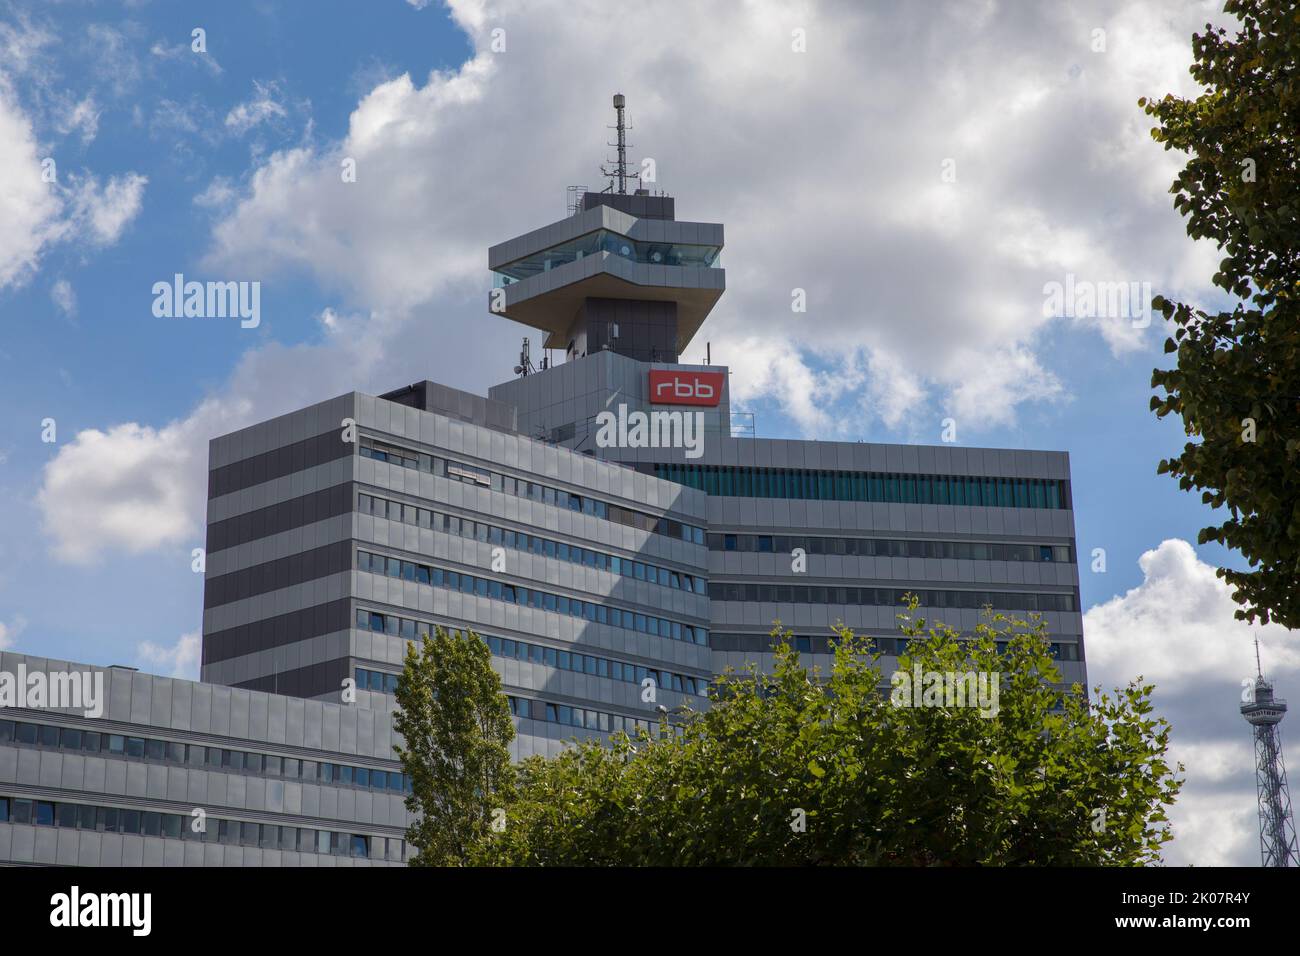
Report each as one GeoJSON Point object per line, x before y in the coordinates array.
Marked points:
{"type": "Point", "coordinates": [276, 631]}
{"type": "Point", "coordinates": [454, 403]}
{"type": "Point", "coordinates": [278, 462]}
{"type": "Point", "coordinates": [281, 573]}
{"type": "Point", "coordinates": [642, 207]}
{"type": "Point", "coordinates": [314, 680]}
{"type": "Point", "coordinates": [273, 519]}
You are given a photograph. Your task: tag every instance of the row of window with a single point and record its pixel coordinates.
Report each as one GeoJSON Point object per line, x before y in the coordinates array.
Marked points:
{"type": "Point", "coordinates": [689, 255]}
{"type": "Point", "coordinates": [381, 682]}
{"type": "Point", "coordinates": [492, 534]}
{"type": "Point", "coordinates": [530, 597]}
{"type": "Point", "coordinates": [964, 490]}
{"type": "Point", "coordinates": [891, 646]}
{"type": "Point", "coordinates": [890, 547]}
{"type": "Point", "coordinates": [174, 826]}
{"type": "Point", "coordinates": [576, 716]}
{"type": "Point", "coordinates": [546, 494]}
{"type": "Point", "coordinates": [887, 597]}
{"type": "Point", "coordinates": [523, 651]}
{"type": "Point", "coordinates": [201, 757]}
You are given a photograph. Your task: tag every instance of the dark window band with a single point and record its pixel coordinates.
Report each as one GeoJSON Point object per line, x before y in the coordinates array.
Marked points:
{"type": "Point", "coordinates": [200, 756]}
{"type": "Point", "coordinates": [565, 659]}
{"type": "Point", "coordinates": [523, 541]}
{"type": "Point", "coordinates": [806, 644]}
{"type": "Point", "coordinates": [311, 681]}
{"type": "Point", "coordinates": [277, 631]}
{"type": "Point", "coordinates": [597, 720]}
{"type": "Point", "coordinates": [817, 484]}
{"type": "Point", "coordinates": [530, 597]}
{"type": "Point", "coordinates": [891, 547]}
{"type": "Point", "coordinates": [280, 573]}
{"type": "Point", "coordinates": [886, 597]}
{"type": "Point", "coordinates": [176, 826]}
{"type": "Point", "coordinates": [278, 462]}
{"type": "Point", "coordinates": [524, 488]}
{"type": "Point", "coordinates": [285, 516]}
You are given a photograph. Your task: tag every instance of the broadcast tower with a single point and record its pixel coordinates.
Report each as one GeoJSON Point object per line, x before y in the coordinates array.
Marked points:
{"type": "Point", "coordinates": [1277, 840]}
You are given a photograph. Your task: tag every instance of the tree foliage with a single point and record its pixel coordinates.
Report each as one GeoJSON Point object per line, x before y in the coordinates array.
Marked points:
{"type": "Point", "coordinates": [456, 728]}
{"type": "Point", "coordinates": [804, 768]}
{"type": "Point", "coordinates": [1237, 380]}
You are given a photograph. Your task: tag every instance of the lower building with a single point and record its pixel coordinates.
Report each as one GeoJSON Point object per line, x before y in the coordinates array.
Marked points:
{"type": "Point", "coordinates": [167, 772]}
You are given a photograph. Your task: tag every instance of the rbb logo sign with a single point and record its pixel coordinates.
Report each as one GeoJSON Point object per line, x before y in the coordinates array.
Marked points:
{"type": "Point", "coordinates": [685, 388]}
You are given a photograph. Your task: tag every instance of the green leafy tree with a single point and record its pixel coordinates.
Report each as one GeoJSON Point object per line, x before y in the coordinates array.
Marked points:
{"type": "Point", "coordinates": [1237, 380]}
{"type": "Point", "coordinates": [803, 768]}
{"type": "Point", "coordinates": [456, 728]}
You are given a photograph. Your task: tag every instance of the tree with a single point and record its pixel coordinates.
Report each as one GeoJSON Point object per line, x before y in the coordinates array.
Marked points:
{"type": "Point", "coordinates": [801, 768]}
{"type": "Point", "coordinates": [456, 729]}
{"type": "Point", "coordinates": [1237, 380]}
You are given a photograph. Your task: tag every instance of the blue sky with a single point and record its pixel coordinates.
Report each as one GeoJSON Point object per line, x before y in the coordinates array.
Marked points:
{"type": "Point", "coordinates": [924, 295]}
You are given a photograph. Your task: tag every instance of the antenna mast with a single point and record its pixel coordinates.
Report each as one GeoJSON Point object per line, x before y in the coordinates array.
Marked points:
{"type": "Point", "coordinates": [1264, 712]}
{"type": "Point", "coordinates": [619, 174]}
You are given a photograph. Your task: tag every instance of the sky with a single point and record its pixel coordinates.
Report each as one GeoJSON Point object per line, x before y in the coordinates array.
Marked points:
{"type": "Point", "coordinates": [922, 176]}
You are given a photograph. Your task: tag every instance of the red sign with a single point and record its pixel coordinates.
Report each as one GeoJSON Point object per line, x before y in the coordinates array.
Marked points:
{"type": "Point", "coordinates": [668, 387]}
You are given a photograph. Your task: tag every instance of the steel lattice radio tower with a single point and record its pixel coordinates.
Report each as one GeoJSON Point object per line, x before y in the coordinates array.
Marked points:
{"type": "Point", "coordinates": [1277, 840]}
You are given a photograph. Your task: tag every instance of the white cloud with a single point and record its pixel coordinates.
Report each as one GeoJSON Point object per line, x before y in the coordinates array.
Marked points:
{"type": "Point", "coordinates": [837, 194]}
{"type": "Point", "coordinates": [63, 296]}
{"type": "Point", "coordinates": [185, 52]}
{"type": "Point", "coordinates": [128, 486]}
{"type": "Point", "coordinates": [9, 632]}
{"type": "Point", "coordinates": [82, 117]}
{"type": "Point", "coordinates": [35, 214]}
{"type": "Point", "coordinates": [112, 58]}
{"type": "Point", "coordinates": [103, 213]}
{"type": "Point", "coordinates": [136, 487]}
{"type": "Point", "coordinates": [22, 46]}
{"type": "Point", "coordinates": [29, 208]}
{"type": "Point", "coordinates": [264, 107]}
{"type": "Point", "coordinates": [218, 194]}
{"type": "Point", "coordinates": [1177, 630]}
{"type": "Point", "coordinates": [918, 291]}
{"type": "Point", "coordinates": [182, 659]}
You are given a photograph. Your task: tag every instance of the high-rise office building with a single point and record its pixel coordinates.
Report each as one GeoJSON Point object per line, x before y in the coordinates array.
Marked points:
{"type": "Point", "coordinates": [595, 520]}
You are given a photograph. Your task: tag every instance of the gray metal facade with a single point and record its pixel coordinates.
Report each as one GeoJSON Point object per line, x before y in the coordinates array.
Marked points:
{"type": "Point", "coordinates": [124, 788]}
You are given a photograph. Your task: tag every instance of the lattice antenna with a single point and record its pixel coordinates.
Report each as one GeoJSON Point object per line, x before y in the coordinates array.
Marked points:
{"type": "Point", "coordinates": [617, 173]}
{"type": "Point", "coordinates": [1264, 713]}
